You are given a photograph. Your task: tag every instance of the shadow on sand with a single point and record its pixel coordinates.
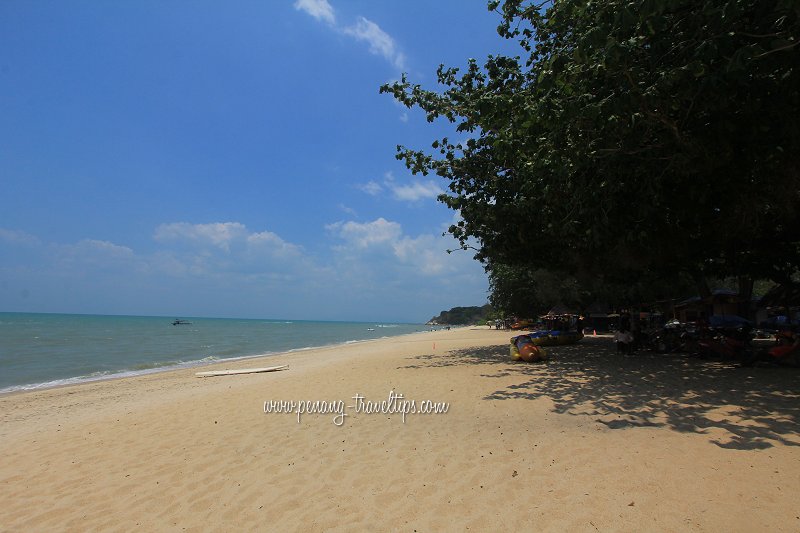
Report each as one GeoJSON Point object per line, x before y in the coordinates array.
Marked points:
{"type": "Point", "coordinates": [756, 407]}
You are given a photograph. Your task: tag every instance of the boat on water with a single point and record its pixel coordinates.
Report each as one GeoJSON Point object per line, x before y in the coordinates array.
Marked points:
{"type": "Point", "coordinates": [179, 322]}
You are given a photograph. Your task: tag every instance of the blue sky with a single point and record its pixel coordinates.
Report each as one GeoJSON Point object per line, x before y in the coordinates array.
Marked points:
{"type": "Point", "coordinates": [227, 158]}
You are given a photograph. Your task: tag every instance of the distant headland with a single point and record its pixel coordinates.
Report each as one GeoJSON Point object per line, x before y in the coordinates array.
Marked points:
{"type": "Point", "coordinates": [458, 316]}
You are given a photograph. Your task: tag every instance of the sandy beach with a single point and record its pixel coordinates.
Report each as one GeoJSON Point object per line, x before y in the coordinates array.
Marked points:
{"type": "Point", "coordinates": [591, 441]}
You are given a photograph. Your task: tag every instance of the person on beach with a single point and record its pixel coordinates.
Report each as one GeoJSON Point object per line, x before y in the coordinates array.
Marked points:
{"type": "Point", "coordinates": [623, 338]}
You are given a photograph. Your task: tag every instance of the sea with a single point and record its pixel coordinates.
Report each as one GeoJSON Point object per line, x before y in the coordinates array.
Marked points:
{"type": "Point", "coordinates": [40, 350]}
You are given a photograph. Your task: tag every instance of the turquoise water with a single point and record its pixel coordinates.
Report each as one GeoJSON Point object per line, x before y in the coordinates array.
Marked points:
{"type": "Point", "coordinates": [43, 350]}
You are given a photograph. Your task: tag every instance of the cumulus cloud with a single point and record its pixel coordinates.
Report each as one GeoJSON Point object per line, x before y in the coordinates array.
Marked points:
{"type": "Point", "coordinates": [223, 235]}
{"type": "Point", "coordinates": [366, 234]}
{"type": "Point", "coordinates": [91, 257]}
{"type": "Point", "coordinates": [219, 234]}
{"type": "Point", "coordinates": [269, 242]}
{"type": "Point", "coordinates": [416, 191]}
{"type": "Point", "coordinates": [357, 270]}
{"type": "Point", "coordinates": [86, 250]}
{"type": "Point", "coordinates": [319, 9]}
{"type": "Point", "coordinates": [423, 254]}
{"type": "Point", "coordinates": [228, 248]}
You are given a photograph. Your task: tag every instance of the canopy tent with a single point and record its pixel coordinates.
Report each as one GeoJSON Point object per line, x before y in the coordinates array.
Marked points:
{"type": "Point", "coordinates": [560, 309]}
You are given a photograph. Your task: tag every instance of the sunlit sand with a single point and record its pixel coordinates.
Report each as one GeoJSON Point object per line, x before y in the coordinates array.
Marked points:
{"type": "Point", "coordinates": [590, 441]}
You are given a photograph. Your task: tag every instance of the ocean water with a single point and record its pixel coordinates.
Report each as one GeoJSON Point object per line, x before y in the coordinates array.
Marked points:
{"type": "Point", "coordinates": [45, 350]}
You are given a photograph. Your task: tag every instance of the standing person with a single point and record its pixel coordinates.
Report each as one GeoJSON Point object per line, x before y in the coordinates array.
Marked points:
{"type": "Point", "coordinates": [623, 338]}
{"type": "Point", "coordinates": [625, 321]}
{"type": "Point", "coordinates": [636, 337]}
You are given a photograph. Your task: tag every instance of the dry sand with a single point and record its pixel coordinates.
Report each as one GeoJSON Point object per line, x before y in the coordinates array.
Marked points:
{"type": "Point", "coordinates": [591, 441]}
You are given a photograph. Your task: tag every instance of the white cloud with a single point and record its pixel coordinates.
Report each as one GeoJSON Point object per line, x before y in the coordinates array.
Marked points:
{"type": "Point", "coordinates": [18, 237]}
{"type": "Point", "coordinates": [404, 117]}
{"type": "Point", "coordinates": [319, 9]}
{"type": "Point", "coordinates": [380, 42]}
{"type": "Point", "coordinates": [412, 192]}
{"type": "Point", "coordinates": [416, 191]}
{"type": "Point", "coordinates": [349, 210]}
{"type": "Point", "coordinates": [219, 234]}
{"type": "Point", "coordinates": [228, 248]}
{"type": "Point", "coordinates": [366, 234]}
{"type": "Point", "coordinates": [101, 257]}
{"type": "Point", "coordinates": [91, 250]}
{"type": "Point", "coordinates": [424, 254]}
{"type": "Point", "coordinates": [372, 188]}
{"type": "Point", "coordinates": [359, 269]}
{"type": "Point", "coordinates": [268, 241]}
{"type": "Point", "coordinates": [105, 248]}
{"type": "Point", "coordinates": [223, 235]}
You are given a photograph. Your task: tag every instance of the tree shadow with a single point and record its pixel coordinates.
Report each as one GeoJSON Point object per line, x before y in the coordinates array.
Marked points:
{"type": "Point", "coordinates": [740, 408]}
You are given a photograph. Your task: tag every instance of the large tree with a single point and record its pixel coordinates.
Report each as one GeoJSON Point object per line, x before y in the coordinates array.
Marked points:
{"type": "Point", "coordinates": [631, 139]}
{"type": "Point", "coordinates": [527, 292]}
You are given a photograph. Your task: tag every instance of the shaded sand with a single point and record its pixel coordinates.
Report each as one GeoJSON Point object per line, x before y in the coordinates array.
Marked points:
{"type": "Point", "coordinates": [591, 441]}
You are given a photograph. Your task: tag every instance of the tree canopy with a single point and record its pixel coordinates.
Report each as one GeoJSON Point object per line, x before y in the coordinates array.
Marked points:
{"type": "Point", "coordinates": [629, 140]}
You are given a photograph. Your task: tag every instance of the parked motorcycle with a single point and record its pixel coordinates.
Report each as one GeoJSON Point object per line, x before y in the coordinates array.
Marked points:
{"type": "Point", "coordinates": [786, 351]}
{"type": "Point", "coordinates": [674, 336]}
{"type": "Point", "coordinates": [725, 345]}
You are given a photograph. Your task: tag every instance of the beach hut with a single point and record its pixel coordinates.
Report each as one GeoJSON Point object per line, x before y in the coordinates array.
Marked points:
{"type": "Point", "coordinates": [720, 302]}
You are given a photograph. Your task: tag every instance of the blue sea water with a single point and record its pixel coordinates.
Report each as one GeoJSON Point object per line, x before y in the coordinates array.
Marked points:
{"type": "Point", "coordinates": [44, 350]}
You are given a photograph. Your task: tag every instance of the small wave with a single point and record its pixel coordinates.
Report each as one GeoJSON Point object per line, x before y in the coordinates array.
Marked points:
{"type": "Point", "coordinates": [137, 370]}
{"type": "Point", "coordinates": [95, 376]}
{"type": "Point", "coordinates": [148, 366]}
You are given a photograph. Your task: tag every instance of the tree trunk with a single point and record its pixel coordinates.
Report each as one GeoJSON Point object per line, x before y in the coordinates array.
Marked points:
{"type": "Point", "coordinates": [701, 283]}
{"type": "Point", "coordinates": [705, 294]}
{"type": "Point", "coordinates": [745, 295]}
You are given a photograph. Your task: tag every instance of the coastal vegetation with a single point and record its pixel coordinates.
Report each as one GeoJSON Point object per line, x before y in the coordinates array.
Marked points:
{"type": "Point", "coordinates": [463, 315]}
{"type": "Point", "coordinates": [635, 149]}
